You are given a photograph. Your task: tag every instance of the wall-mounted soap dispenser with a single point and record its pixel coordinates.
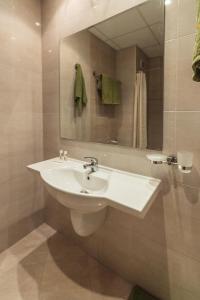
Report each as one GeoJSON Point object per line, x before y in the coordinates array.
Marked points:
{"type": "Point", "coordinates": [183, 160]}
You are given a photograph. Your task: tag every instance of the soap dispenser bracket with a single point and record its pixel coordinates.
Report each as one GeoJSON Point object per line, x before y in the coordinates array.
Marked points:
{"type": "Point", "coordinates": [183, 161]}
{"type": "Point", "coordinates": [172, 160]}
{"type": "Point", "coordinates": [159, 159]}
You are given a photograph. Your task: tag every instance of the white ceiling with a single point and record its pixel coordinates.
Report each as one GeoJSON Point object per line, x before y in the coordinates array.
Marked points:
{"type": "Point", "coordinates": [142, 26]}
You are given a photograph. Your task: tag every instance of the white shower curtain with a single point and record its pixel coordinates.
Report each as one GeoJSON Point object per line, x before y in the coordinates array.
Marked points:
{"type": "Point", "coordinates": [140, 112]}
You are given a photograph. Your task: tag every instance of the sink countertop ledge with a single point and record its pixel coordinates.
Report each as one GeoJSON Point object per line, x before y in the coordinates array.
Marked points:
{"type": "Point", "coordinates": [136, 192]}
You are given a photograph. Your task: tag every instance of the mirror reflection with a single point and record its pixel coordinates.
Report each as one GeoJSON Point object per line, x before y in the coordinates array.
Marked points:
{"type": "Point", "coordinates": [111, 80]}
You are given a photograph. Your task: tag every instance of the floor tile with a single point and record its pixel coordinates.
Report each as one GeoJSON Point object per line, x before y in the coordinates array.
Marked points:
{"type": "Point", "coordinates": [45, 265]}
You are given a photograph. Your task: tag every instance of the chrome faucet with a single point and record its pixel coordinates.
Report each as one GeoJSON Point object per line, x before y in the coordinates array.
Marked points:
{"type": "Point", "coordinates": [93, 165]}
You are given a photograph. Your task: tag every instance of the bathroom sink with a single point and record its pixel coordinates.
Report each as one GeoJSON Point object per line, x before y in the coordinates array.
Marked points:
{"type": "Point", "coordinates": [76, 181]}
{"type": "Point", "coordinates": [88, 196]}
{"type": "Point", "coordinates": [88, 191]}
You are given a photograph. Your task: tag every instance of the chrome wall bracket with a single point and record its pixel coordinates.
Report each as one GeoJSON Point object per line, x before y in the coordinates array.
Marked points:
{"type": "Point", "coordinates": [171, 160]}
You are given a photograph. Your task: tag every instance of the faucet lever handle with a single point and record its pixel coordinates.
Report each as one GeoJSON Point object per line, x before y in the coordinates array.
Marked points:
{"type": "Point", "coordinates": [94, 160]}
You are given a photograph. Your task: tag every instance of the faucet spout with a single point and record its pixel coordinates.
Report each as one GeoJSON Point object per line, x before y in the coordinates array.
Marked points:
{"type": "Point", "coordinates": [93, 165]}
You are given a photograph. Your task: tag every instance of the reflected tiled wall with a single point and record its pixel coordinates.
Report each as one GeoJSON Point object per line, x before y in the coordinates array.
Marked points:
{"type": "Point", "coordinates": [103, 122]}
{"type": "Point", "coordinates": [126, 73]}
{"type": "Point", "coordinates": [162, 251]}
{"type": "Point", "coordinates": [20, 117]}
{"type": "Point", "coordinates": [155, 103]}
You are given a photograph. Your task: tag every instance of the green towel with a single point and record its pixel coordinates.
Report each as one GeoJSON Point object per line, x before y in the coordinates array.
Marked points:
{"type": "Point", "coordinates": [139, 294]}
{"type": "Point", "coordinates": [110, 90]}
{"type": "Point", "coordinates": [116, 97]}
{"type": "Point", "coordinates": [106, 89]}
{"type": "Point", "coordinates": [196, 56]}
{"type": "Point", "coordinates": [80, 96]}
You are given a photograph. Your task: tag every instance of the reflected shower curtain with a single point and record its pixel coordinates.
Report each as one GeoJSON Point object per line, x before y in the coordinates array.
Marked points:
{"type": "Point", "coordinates": [140, 112]}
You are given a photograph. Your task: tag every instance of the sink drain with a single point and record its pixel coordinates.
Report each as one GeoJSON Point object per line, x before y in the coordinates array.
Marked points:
{"type": "Point", "coordinates": [84, 192]}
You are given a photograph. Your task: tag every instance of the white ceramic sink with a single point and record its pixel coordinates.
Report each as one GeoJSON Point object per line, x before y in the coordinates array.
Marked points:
{"type": "Point", "coordinates": [75, 181]}
{"type": "Point", "coordinates": [72, 179]}
{"type": "Point", "coordinates": [88, 198]}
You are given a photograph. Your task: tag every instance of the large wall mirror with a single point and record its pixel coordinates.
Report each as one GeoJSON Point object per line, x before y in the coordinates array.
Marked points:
{"type": "Point", "coordinates": [111, 80]}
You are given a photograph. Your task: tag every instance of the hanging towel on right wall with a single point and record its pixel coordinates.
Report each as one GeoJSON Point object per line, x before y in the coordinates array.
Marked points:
{"type": "Point", "coordinates": [196, 56]}
{"type": "Point", "coordinates": [140, 112]}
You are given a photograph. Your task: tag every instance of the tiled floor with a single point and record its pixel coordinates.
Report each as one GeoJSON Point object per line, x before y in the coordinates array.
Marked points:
{"type": "Point", "coordinates": [44, 265]}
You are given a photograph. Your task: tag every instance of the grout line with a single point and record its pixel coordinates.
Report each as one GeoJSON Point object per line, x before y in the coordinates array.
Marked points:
{"type": "Point", "coordinates": [179, 37]}
{"type": "Point", "coordinates": [182, 111]}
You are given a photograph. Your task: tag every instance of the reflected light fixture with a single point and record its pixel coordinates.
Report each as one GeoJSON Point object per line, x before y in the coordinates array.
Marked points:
{"type": "Point", "coordinates": [168, 2]}
{"type": "Point", "coordinates": [37, 24]}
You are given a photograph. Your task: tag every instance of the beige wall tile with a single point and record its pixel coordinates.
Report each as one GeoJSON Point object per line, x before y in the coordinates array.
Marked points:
{"type": "Point", "coordinates": [170, 75]}
{"type": "Point", "coordinates": [181, 207]}
{"type": "Point", "coordinates": [187, 130]}
{"type": "Point", "coordinates": [187, 17]}
{"type": "Point", "coordinates": [184, 272]}
{"type": "Point", "coordinates": [169, 132]}
{"type": "Point", "coordinates": [171, 20]}
{"type": "Point", "coordinates": [188, 90]}
{"type": "Point", "coordinates": [21, 117]}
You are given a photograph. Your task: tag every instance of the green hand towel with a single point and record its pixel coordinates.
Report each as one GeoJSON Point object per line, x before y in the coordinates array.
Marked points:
{"type": "Point", "coordinates": [116, 96]}
{"type": "Point", "coordinates": [106, 89]}
{"type": "Point", "coordinates": [80, 96]}
{"type": "Point", "coordinates": [110, 90]}
{"type": "Point", "coordinates": [196, 56]}
{"type": "Point", "coordinates": [140, 294]}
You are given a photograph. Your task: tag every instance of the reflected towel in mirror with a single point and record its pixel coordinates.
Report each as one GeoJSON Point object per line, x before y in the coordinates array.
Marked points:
{"type": "Point", "coordinates": [110, 90]}
{"type": "Point", "coordinates": [80, 96]}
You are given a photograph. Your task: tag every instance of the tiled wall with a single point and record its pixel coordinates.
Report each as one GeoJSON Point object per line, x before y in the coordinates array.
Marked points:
{"type": "Point", "coordinates": [20, 118]}
{"type": "Point", "coordinates": [162, 251]}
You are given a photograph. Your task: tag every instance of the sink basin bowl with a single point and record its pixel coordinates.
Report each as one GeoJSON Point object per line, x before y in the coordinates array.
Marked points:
{"type": "Point", "coordinates": [86, 192]}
